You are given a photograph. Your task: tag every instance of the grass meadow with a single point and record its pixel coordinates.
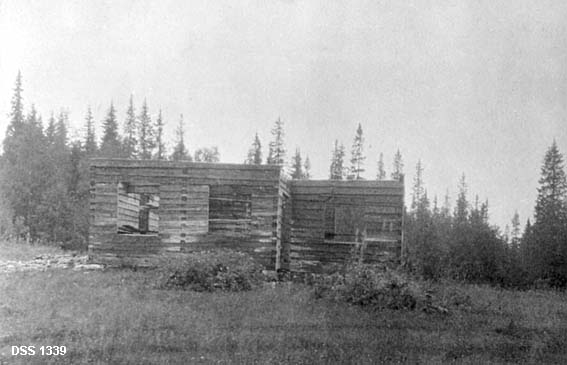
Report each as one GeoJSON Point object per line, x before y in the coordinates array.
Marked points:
{"type": "Point", "coordinates": [120, 316]}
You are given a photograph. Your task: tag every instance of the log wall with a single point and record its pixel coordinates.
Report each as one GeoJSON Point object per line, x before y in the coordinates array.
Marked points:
{"type": "Point", "coordinates": [333, 221]}
{"type": "Point", "coordinates": [301, 226]}
{"type": "Point", "coordinates": [201, 206]}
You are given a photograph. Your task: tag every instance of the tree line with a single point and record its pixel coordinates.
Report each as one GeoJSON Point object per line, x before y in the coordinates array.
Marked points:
{"type": "Point", "coordinates": [44, 174]}
{"type": "Point", "coordinates": [338, 169]}
{"type": "Point", "coordinates": [45, 188]}
{"type": "Point", "coordinates": [459, 243]}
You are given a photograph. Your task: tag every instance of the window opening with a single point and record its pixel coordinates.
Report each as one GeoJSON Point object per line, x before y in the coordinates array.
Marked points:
{"type": "Point", "coordinates": [137, 210]}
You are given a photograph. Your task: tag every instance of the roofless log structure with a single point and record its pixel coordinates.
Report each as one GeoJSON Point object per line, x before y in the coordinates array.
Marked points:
{"type": "Point", "coordinates": [142, 209]}
{"type": "Point", "coordinates": [331, 221]}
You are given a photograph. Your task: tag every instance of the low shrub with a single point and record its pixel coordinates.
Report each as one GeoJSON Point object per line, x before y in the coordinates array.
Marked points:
{"type": "Point", "coordinates": [373, 286]}
{"type": "Point", "coordinates": [214, 270]}
{"type": "Point", "coordinates": [381, 288]}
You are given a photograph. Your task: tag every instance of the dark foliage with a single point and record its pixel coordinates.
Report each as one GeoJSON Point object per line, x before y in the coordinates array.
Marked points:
{"type": "Point", "coordinates": [220, 270]}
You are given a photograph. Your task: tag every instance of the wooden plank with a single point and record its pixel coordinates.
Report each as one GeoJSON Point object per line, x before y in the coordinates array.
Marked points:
{"type": "Point", "coordinates": [346, 183]}
{"type": "Point", "coordinates": [104, 199]}
{"type": "Point", "coordinates": [181, 197]}
{"type": "Point", "coordinates": [181, 186]}
{"type": "Point", "coordinates": [346, 192]}
{"type": "Point", "coordinates": [103, 214]}
{"type": "Point", "coordinates": [116, 162]}
{"type": "Point", "coordinates": [179, 173]}
{"type": "Point", "coordinates": [174, 209]}
{"type": "Point", "coordinates": [164, 180]}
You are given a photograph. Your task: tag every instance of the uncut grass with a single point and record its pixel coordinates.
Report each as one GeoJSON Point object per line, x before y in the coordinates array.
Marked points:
{"type": "Point", "coordinates": [117, 317]}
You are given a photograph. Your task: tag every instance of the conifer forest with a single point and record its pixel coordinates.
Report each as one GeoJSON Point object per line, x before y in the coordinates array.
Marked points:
{"type": "Point", "coordinates": [45, 188]}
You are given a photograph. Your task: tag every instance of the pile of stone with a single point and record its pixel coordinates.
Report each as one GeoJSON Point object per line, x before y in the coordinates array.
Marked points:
{"type": "Point", "coordinates": [46, 262]}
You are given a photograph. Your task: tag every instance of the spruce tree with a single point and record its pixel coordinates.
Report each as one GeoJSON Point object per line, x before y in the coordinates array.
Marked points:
{"type": "Point", "coordinates": [50, 130]}
{"type": "Point", "coordinates": [24, 166]}
{"type": "Point", "coordinates": [551, 192]}
{"type": "Point", "coordinates": [333, 165]}
{"type": "Point", "coordinates": [78, 196]}
{"type": "Point", "coordinates": [277, 151]}
{"type": "Point", "coordinates": [526, 248]}
{"type": "Point", "coordinates": [160, 143]}
{"type": "Point", "coordinates": [56, 202]}
{"type": "Point", "coordinates": [17, 110]}
{"type": "Point", "coordinates": [398, 166]}
{"type": "Point", "coordinates": [550, 226]}
{"type": "Point", "coordinates": [130, 142]}
{"type": "Point", "coordinates": [146, 134]}
{"type": "Point", "coordinates": [61, 133]}
{"type": "Point", "coordinates": [90, 137]}
{"type": "Point", "coordinates": [418, 188]}
{"type": "Point", "coordinates": [255, 152]}
{"type": "Point", "coordinates": [446, 208]}
{"type": "Point", "coordinates": [16, 123]}
{"type": "Point", "coordinates": [297, 166]}
{"type": "Point", "coordinates": [461, 209]}
{"type": "Point", "coordinates": [423, 252]}
{"type": "Point", "coordinates": [110, 145]}
{"type": "Point", "coordinates": [515, 231]}
{"type": "Point", "coordinates": [307, 168]}
{"type": "Point", "coordinates": [180, 150]}
{"type": "Point", "coordinates": [32, 168]}
{"type": "Point", "coordinates": [357, 156]}
{"type": "Point", "coordinates": [381, 175]}
{"type": "Point", "coordinates": [337, 169]}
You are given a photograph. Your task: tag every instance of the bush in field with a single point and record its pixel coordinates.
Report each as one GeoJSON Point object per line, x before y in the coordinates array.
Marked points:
{"type": "Point", "coordinates": [373, 286]}
{"type": "Point", "coordinates": [223, 270]}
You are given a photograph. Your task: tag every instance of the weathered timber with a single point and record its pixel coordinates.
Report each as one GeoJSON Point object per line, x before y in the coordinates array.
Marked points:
{"type": "Point", "coordinates": [334, 221]}
{"type": "Point", "coordinates": [197, 206]}
{"type": "Point", "coordinates": [292, 225]}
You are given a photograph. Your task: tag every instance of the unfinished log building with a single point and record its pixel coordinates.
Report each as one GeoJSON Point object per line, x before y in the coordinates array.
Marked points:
{"type": "Point", "coordinates": [144, 209]}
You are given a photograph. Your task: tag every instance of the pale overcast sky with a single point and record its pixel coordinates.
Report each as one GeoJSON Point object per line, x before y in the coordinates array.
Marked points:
{"type": "Point", "coordinates": [474, 87]}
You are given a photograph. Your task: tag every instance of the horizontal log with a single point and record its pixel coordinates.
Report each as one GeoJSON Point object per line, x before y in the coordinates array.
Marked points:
{"type": "Point", "coordinates": [102, 215]}
{"type": "Point", "coordinates": [103, 205]}
{"type": "Point", "coordinates": [183, 224]}
{"type": "Point", "coordinates": [189, 170]}
{"type": "Point", "coordinates": [144, 189]}
{"type": "Point", "coordinates": [346, 191]}
{"type": "Point", "coordinates": [117, 162]}
{"type": "Point", "coordinates": [104, 199]}
{"type": "Point", "coordinates": [128, 210]}
{"type": "Point", "coordinates": [163, 181]}
{"type": "Point", "coordinates": [346, 183]}
{"type": "Point", "coordinates": [243, 175]}
{"type": "Point", "coordinates": [352, 200]}
{"type": "Point", "coordinates": [178, 194]}
{"type": "Point", "coordinates": [181, 187]}
{"type": "Point", "coordinates": [181, 207]}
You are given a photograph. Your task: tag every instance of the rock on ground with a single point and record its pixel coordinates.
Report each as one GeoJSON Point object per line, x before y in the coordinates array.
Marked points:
{"type": "Point", "coordinates": [45, 262]}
